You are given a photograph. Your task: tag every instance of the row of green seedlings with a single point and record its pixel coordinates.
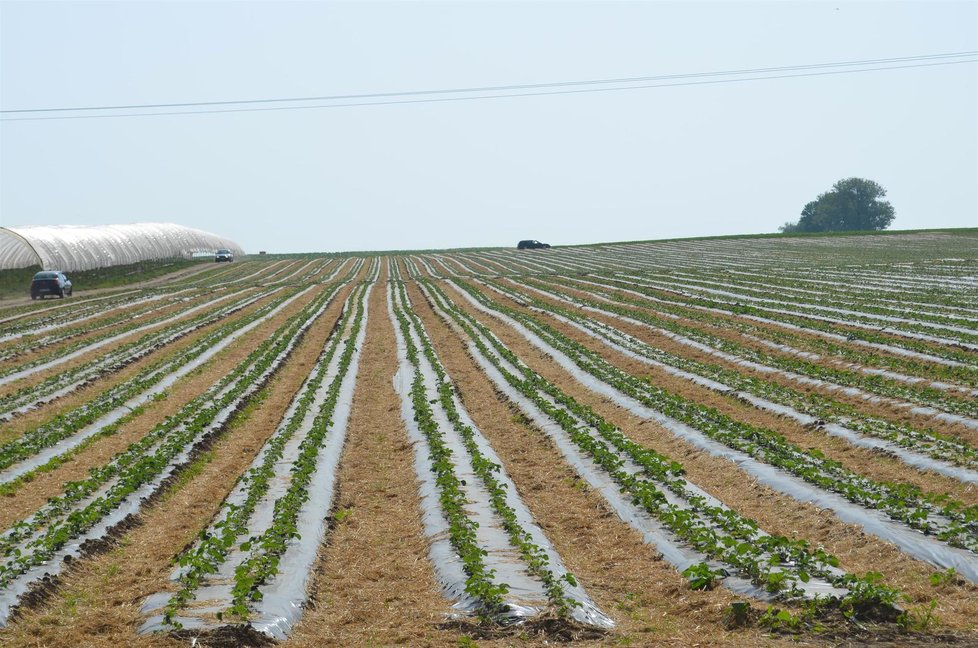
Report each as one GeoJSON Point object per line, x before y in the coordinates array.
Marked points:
{"type": "Point", "coordinates": [246, 272]}
{"type": "Point", "coordinates": [480, 583]}
{"type": "Point", "coordinates": [266, 550]}
{"type": "Point", "coordinates": [103, 322]}
{"type": "Point", "coordinates": [878, 335]}
{"type": "Point", "coordinates": [68, 424]}
{"type": "Point", "coordinates": [96, 327]}
{"type": "Point", "coordinates": [950, 333]}
{"type": "Point", "coordinates": [79, 375]}
{"type": "Point", "coordinates": [373, 271]}
{"type": "Point", "coordinates": [292, 275]}
{"type": "Point", "coordinates": [230, 274]}
{"type": "Point", "coordinates": [287, 273]}
{"type": "Point", "coordinates": [410, 267]}
{"type": "Point", "coordinates": [924, 441]}
{"type": "Point", "coordinates": [393, 271]}
{"type": "Point", "coordinates": [34, 540]}
{"type": "Point", "coordinates": [224, 275]}
{"type": "Point", "coordinates": [130, 352]}
{"type": "Point", "coordinates": [215, 545]}
{"type": "Point", "coordinates": [822, 305]}
{"type": "Point", "coordinates": [909, 302]}
{"type": "Point", "coordinates": [52, 323]}
{"type": "Point", "coordinates": [936, 514]}
{"type": "Point", "coordinates": [866, 358]}
{"type": "Point", "coordinates": [60, 342]}
{"type": "Point", "coordinates": [858, 286]}
{"type": "Point", "coordinates": [776, 563]}
{"type": "Point", "coordinates": [825, 344]}
{"type": "Point", "coordinates": [875, 384]}
{"type": "Point", "coordinates": [135, 451]}
{"type": "Point", "coordinates": [859, 332]}
{"type": "Point", "coordinates": [63, 350]}
{"type": "Point", "coordinates": [38, 314]}
{"type": "Point", "coordinates": [905, 389]}
{"type": "Point", "coordinates": [859, 336]}
{"type": "Point", "coordinates": [317, 272]}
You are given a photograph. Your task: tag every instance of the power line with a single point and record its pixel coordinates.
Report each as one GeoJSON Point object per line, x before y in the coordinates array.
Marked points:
{"type": "Point", "coordinates": [529, 86]}
{"type": "Point", "coordinates": [510, 91]}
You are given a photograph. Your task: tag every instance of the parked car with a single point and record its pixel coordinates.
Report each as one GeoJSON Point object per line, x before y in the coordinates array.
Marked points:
{"type": "Point", "coordinates": [50, 282]}
{"type": "Point", "coordinates": [532, 245]}
{"type": "Point", "coordinates": [224, 255]}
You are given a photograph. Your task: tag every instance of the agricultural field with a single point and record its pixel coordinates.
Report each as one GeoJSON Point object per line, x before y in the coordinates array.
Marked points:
{"type": "Point", "coordinates": [735, 442]}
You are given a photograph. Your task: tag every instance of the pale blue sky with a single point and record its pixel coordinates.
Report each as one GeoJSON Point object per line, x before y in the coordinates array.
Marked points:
{"type": "Point", "coordinates": [640, 164]}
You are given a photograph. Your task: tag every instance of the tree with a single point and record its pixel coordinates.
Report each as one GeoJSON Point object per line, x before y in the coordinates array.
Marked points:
{"type": "Point", "coordinates": [852, 204]}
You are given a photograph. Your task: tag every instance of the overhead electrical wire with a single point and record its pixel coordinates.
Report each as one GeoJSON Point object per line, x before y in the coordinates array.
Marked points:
{"type": "Point", "coordinates": [508, 91]}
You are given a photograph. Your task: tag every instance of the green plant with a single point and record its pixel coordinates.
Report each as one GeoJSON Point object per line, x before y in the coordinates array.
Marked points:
{"type": "Point", "coordinates": [947, 577]}
{"type": "Point", "coordinates": [779, 619]}
{"type": "Point", "coordinates": [737, 615]}
{"type": "Point", "coordinates": [919, 618]}
{"type": "Point", "coordinates": [703, 577]}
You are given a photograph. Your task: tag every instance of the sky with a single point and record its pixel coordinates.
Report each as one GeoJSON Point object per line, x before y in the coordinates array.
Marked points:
{"type": "Point", "coordinates": [664, 162]}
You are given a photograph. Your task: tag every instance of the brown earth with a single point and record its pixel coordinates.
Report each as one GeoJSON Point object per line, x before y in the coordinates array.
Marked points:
{"type": "Point", "coordinates": [97, 602]}
{"type": "Point", "coordinates": [41, 414]}
{"type": "Point", "coordinates": [863, 461]}
{"type": "Point", "coordinates": [48, 484]}
{"type": "Point", "coordinates": [111, 328]}
{"type": "Point", "coordinates": [881, 410]}
{"type": "Point", "coordinates": [373, 584]}
{"type": "Point", "coordinates": [803, 335]}
{"type": "Point", "coordinates": [31, 419]}
{"type": "Point", "coordinates": [628, 580]}
{"type": "Point", "coordinates": [775, 512]}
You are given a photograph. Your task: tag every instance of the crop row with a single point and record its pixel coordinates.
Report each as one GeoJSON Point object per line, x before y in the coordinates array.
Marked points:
{"type": "Point", "coordinates": [105, 412]}
{"type": "Point", "coordinates": [309, 417]}
{"type": "Point", "coordinates": [93, 328]}
{"type": "Point", "coordinates": [914, 328]}
{"type": "Point", "coordinates": [879, 385]}
{"type": "Point", "coordinates": [806, 304]}
{"type": "Point", "coordinates": [843, 295]}
{"type": "Point", "coordinates": [439, 389]}
{"type": "Point", "coordinates": [933, 514]}
{"type": "Point", "coordinates": [816, 408]}
{"type": "Point", "coordinates": [860, 355]}
{"type": "Point", "coordinates": [74, 377]}
{"type": "Point", "coordinates": [65, 352]}
{"type": "Point", "coordinates": [656, 483]}
{"type": "Point", "coordinates": [142, 468]}
{"type": "Point", "coordinates": [70, 321]}
{"type": "Point", "coordinates": [879, 335]}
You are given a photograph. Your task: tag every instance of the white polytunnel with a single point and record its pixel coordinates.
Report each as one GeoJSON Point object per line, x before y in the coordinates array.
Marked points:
{"type": "Point", "coordinates": [84, 247]}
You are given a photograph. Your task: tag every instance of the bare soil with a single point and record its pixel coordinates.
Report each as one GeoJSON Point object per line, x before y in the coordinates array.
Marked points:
{"type": "Point", "coordinates": [97, 601]}
{"type": "Point", "coordinates": [775, 512]}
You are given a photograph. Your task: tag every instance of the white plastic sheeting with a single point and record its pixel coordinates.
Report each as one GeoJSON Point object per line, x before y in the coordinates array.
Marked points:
{"type": "Point", "coordinates": [84, 247]}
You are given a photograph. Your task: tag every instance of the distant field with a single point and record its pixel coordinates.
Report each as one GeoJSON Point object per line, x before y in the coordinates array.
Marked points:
{"type": "Point", "coordinates": [735, 441]}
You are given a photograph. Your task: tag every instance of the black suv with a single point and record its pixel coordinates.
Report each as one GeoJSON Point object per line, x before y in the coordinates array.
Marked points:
{"type": "Point", "coordinates": [532, 245]}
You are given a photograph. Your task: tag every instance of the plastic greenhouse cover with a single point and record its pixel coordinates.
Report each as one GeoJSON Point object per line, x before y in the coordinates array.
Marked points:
{"type": "Point", "coordinates": [84, 247]}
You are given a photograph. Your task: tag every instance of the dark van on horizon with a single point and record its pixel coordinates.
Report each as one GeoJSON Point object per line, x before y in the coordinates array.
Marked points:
{"type": "Point", "coordinates": [532, 245]}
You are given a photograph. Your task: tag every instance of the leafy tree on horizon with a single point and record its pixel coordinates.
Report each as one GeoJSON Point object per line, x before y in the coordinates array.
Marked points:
{"type": "Point", "coordinates": [853, 204]}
